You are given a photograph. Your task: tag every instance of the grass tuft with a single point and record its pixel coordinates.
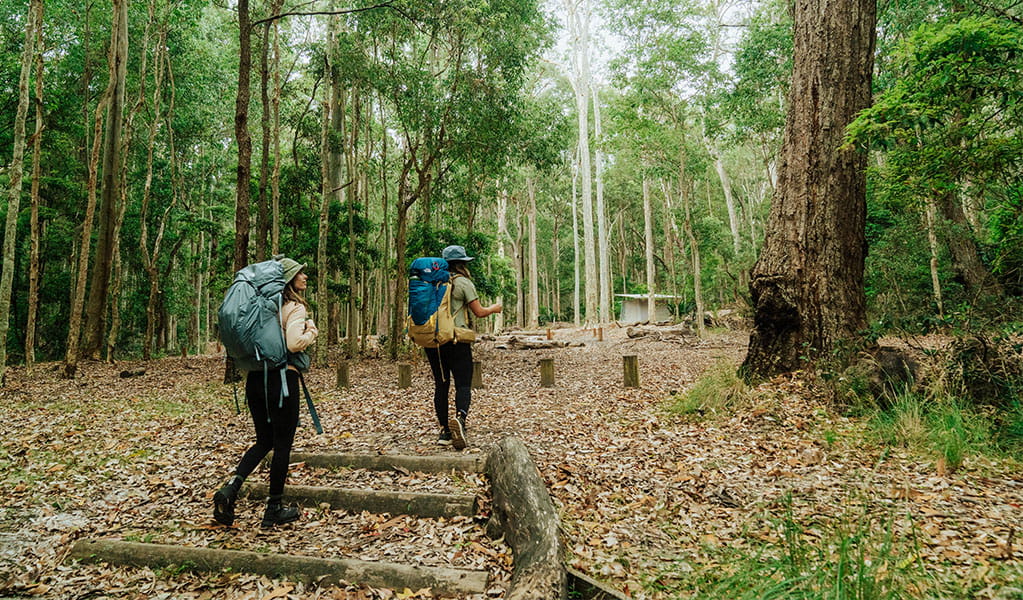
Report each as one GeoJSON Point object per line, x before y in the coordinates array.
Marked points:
{"type": "Point", "coordinates": [718, 389]}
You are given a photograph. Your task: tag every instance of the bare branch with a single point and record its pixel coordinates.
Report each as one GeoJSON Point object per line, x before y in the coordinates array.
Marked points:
{"type": "Point", "coordinates": [389, 4]}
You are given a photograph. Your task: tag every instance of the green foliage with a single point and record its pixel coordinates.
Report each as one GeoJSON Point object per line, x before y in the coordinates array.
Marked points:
{"type": "Point", "coordinates": [947, 125]}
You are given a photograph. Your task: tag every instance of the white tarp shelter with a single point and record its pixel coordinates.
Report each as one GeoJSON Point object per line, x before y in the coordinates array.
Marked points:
{"type": "Point", "coordinates": [634, 307]}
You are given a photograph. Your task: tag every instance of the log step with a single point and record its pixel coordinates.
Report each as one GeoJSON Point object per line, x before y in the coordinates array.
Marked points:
{"type": "Point", "coordinates": [375, 501]}
{"type": "Point", "coordinates": [390, 462]}
{"type": "Point", "coordinates": [443, 581]}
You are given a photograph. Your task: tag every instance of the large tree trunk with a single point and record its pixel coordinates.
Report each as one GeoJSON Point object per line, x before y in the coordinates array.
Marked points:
{"type": "Point", "coordinates": [16, 173]}
{"type": "Point", "coordinates": [35, 233]}
{"type": "Point", "coordinates": [99, 297]}
{"type": "Point", "coordinates": [807, 286]}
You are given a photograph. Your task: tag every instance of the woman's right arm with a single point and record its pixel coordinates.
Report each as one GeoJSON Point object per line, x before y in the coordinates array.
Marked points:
{"type": "Point", "coordinates": [480, 311]}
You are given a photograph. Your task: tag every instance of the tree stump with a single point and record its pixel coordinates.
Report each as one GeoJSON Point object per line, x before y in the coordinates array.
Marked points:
{"type": "Point", "coordinates": [546, 372]}
{"type": "Point", "coordinates": [477, 374]}
{"type": "Point", "coordinates": [342, 375]}
{"type": "Point", "coordinates": [524, 512]}
{"type": "Point", "coordinates": [404, 376]}
{"type": "Point", "coordinates": [630, 367]}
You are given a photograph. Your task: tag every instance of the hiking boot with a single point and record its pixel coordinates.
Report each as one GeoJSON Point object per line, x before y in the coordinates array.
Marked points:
{"type": "Point", "coordinates": [457, 427]}
{"type": "Point", "coordinates": [223, 505]}
{"type": "Point", "coordinates": [277, 514]}
{"type": "Point", "coordinates": [444, 439]}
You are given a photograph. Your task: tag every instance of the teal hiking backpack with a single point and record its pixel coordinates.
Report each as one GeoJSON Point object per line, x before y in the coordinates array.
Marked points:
{"type": "Point", "coordinates": [250, 325]}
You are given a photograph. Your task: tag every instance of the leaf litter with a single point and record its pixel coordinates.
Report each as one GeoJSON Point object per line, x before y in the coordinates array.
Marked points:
{"type": "Point", "coordinates": [645, 498]}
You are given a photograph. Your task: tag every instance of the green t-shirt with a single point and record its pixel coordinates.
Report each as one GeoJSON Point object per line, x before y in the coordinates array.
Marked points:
{"type": "Point", "coordinates": [463, 293]}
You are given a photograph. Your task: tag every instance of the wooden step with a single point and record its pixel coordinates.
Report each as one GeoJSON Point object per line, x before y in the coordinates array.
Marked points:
{"type": "Point", "coordinates": [375, 501]}
{"type": "Point", "coordinates": [324, 571]}
{"type": "Point", "coordinates": [441, 463]}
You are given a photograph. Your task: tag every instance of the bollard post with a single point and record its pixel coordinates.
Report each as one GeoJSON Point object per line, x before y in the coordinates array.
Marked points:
{"type": "Point", "coordinates": [546, 372]}
{"type": "Point", "coordinates": [600, 334]}
{"type": "Point", "coordinates": [404, 376]}
{"type": "Point", "coordinates": [342, 375]}
{"type": "Point", "coordinates": [550, 336]}
{"type": "Point", "coordinates": [477, 374]}
{"type": "Point", "coordinates": [631, 371]}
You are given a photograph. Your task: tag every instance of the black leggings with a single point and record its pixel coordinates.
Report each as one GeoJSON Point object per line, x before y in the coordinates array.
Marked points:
{"type": "Point", "coordinates": [276, 433]}
{"type": "Point", "coordinates": [449, 360]}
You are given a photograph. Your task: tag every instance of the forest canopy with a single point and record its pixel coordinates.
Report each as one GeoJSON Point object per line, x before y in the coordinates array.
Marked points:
{"type": "Point", "coordinates": [579, 149]}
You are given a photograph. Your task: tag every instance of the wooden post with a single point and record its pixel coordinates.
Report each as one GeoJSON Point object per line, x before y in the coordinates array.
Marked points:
{"type": "Point", "coordinates": [477, 374]}
{"type": "Point", "coordinates": [631, 370]}
{"type": "Point", "coordinates": [600, 334]}
{"type": "Point", "coordinates": [546, 372]}
{"type": "Point", "coordinates": [404, 376]}
{"type": "Point", "coordinates": [342, 375]}
{"type": "Point", "coordinates": [550, 336]}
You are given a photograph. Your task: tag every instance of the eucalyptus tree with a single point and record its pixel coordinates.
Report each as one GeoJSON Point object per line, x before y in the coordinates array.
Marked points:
{"type": "Point", "coordinates": [578, 16]}
{"type": "Point", "coordinates": [33, 23]}
{"type": "Point", "coordinates": [807, 285]}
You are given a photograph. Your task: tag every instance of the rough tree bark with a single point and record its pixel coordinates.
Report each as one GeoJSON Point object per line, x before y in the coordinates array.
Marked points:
{"type": "Point", "coordinates": [99, 296]}
{"type": "Point", "coordinates": [807, 285]}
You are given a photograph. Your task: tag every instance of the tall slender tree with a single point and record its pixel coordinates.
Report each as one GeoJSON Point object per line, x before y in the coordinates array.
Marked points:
{"type": "Point", "coordinates": [99, 297]}
{"type": "Point", "coordinates": [35, 232]}
{"type": "Point", "coordinates": [33, 21]}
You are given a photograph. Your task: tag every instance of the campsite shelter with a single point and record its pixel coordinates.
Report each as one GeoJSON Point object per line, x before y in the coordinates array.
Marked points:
{"type": "Point", "coordinates": [634, 307]}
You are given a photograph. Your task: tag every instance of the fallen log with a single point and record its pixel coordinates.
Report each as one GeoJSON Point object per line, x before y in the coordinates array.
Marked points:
{"type": "Point", "coordinates": [324, 571]}
{"type": "Point", "coordinates": [389, 462]}
{"type": "Point", "coordinates": [374, 501]}
{"type": "Point", "coordinates": [525, 515]}
{"type": "Point", "coordinates": [537, 343]}
{"type": "Point", "coordinates": [674, 331]}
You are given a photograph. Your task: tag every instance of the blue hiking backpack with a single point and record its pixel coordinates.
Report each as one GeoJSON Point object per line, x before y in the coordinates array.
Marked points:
{"type": "Point", "coordinates": [430, 323]}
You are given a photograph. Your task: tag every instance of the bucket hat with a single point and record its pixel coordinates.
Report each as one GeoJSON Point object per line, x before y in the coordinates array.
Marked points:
{"type": "Point", "coordinates": [455, 253]}
{"type": "Point", "coordinates": [291, 268]}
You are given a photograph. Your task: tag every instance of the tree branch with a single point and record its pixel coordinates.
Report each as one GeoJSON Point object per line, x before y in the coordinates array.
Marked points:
{"type": "Point", "coordinates": [389, 4]}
